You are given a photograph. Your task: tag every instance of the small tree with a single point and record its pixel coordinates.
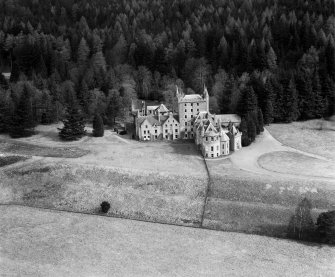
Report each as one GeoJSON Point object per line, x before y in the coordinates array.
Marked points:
{"type": "Point", "coordinates": [74, 125]}
{"type": "Point", "coordinates": [105, 206]}
{"type": "Point", "coordinates": [98, 126]}
{"type": "Point", "coordinates": [301, 226]}
{"type": "Point", "coordinates": [326, 227]}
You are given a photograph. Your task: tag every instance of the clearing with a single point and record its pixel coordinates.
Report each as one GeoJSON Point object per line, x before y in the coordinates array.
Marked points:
{"type": "Point", "coordinates": [37, 242]}
{"type": "Point", "coordinates": [313, 136]}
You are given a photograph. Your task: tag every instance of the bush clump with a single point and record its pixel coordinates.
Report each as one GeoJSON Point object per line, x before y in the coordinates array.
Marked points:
{"type": "Point", "coordinates": [105, 206]}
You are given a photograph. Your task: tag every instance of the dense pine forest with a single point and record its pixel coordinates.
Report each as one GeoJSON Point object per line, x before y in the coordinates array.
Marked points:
{"type": "Point", "coordinates": [271, 60]}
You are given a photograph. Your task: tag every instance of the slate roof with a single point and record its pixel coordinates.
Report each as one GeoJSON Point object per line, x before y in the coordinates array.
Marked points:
{"type": "Point", "coordinates": [191, 98]}
{"type": "Point", "coordinates": [226, 118]}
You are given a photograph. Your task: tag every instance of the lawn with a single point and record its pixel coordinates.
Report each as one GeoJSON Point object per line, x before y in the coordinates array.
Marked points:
{"type": "Point", "coordinates": [254, 203]}
{"type": "Point", "coordinates": [314, 136]}
{"type": "Point", "coordinates": [48, 243]}
{"type": "Point", "coordinates": [139, 195]}
{"type": "Point", "coordinates": [295, 163]}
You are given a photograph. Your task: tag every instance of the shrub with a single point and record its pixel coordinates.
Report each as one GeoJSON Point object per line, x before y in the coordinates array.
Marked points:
{"type": "Point", "coordinates": [98, 126]}
{"type": "Point", "coordinates": [105, 206]}
{"type": "Point", "coordinates": [326, 227]}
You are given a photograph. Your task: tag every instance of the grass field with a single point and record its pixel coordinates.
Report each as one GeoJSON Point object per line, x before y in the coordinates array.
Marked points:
{"type": "Point", "coordinates": [295, 163]}
{"type": "Point", "coordinates": [251, 203]}
{"type": "Point", "coordinates": [165, 182]}
{"type": "Point", "coordinates": [145, 196]}
{"type": "Point", "coordinates": [314, 136]}
{"type": "Point", "coordinates": [44, 243]}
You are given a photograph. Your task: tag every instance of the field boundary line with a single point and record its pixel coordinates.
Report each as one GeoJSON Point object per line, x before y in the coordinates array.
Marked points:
{"type": "Point", "coordinates": [206, 194]}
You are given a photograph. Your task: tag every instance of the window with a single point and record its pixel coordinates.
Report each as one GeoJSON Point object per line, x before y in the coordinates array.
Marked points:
{"type": "Point", "coordinates": [192, 123]}
{"type": "Point", "coordinates": [185, 135]}
{"type": "Point", "coordinates": [170, 125]}
{"type": "Point", "coordinates": [191, 110]}
{"type": "Point", "coordinates": [212, 148]}
{"type": "Point", "coordinates": [145, 132]}
{"type": "Point", "coordinates": [185, 116]}
{"type": "Point", "coordinates": [197, 104]}
{"type": "Point", "coordinates": [176, 136]}
{"type": "Point", "coordinates": [212, 139]}
{"type": "Point", "coordinates": [192, 116]}
{"type": "Point", "coordinates": [165, 131]}
{"type": "Point", "coordinates": [207, 155]}
{"type": "Point", "coordinates": [185, 123]}
{"type": "Point", "coordinates": [212, 155]}
{"type": "Point", "coordinates": [166, 136]}
{"type": "Point", "coordinates": [145, 137]}
{"type": "Point", "coordinates": [217, 154]}
{"type": "Point", "coordinates": [146, 126]}
{"type": "Point", "coordinates": [222, 146]}
{"type": "Point", "coordinates": [185, 105]}
{"type": "Point", "coordinates": [206, 138]}
{"type": "Point", "coordinates": [155, 137]}
{"type": "Point", "coordinates": [192, 104]}
{"type": "Point", "coordinates": [191, 135]}
{"type": "Point", "coordinates": [176, 125]}
{"type": "Point", "coordinates": [197, 110]}
{"type": "Point", "coordinates": [155, 131]}
{"type": "Point", "coordinates": [185, 111]}
{"type": "Point", "coordinates": [191, 129]}
{"type": "Point", "coordinates": [176, 130]}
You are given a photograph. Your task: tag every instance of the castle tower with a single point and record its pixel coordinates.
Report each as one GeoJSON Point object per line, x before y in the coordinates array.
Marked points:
{"type": "Point", "coordinates": [189, 106]}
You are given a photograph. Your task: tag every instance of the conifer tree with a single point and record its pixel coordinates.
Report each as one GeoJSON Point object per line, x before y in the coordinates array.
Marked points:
{"type": "Point", "coordinates": [74, 124]}
{"type": "Point", "coordinates": [244, 130]}
{"type": "Point", "coordinates": [98, 126]}
{"type": "Point", "coordinates": [291, 95]}
{"type": "Point", "coordinates": [260, 120]}
{"type": "Point", "coordinates": [22, 123]}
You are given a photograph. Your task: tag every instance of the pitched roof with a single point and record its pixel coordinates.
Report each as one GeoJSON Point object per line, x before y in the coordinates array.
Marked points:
{"type": "Point", "coordinates": [191, 98]}
{"type": "Point", "coordinates": [226, 118]}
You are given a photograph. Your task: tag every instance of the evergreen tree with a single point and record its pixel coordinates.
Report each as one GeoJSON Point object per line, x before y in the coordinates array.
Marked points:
{"type": "Point", "coordinates": [244, 130]}
{"type": "Point", "coordinates": [252, 132]}
{"type": "Point", "coordinates": [268, 110]}
{"type": "Point", "coordinates": [326, 227]}
{"type": "Point", "coordinates": [22, 123]}
{"type": "Point", "coordinates": [291, 95]}
{"type": "Point", "coordinates": [260, 120]}
{"type": "Point", "coordinates": [98, 126]}
{"type": "Point", "coordinates": [248, 101]}
{"type": "Point", "coordinates": [74, 124]}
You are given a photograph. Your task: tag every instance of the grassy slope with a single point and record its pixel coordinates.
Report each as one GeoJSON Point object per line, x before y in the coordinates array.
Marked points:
{"type": "Point", "coordinates": [247, 202]}
{"type": "Point", "coordinates": [43, 243]}
{"type": "Point", "coordinates": [307, 136]}
{"type": "Point", "coordinates": [295, 163]}
{"type": "Point", "coordinates": [145, 196]}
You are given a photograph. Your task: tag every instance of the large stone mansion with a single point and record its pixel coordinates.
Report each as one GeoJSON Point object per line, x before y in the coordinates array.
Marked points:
{"type": "Point", "coordinates": [215, 135]}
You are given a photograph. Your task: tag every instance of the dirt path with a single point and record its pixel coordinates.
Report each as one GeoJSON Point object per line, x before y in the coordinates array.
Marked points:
{"type": "Point", "coordinates": [247, 158]}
